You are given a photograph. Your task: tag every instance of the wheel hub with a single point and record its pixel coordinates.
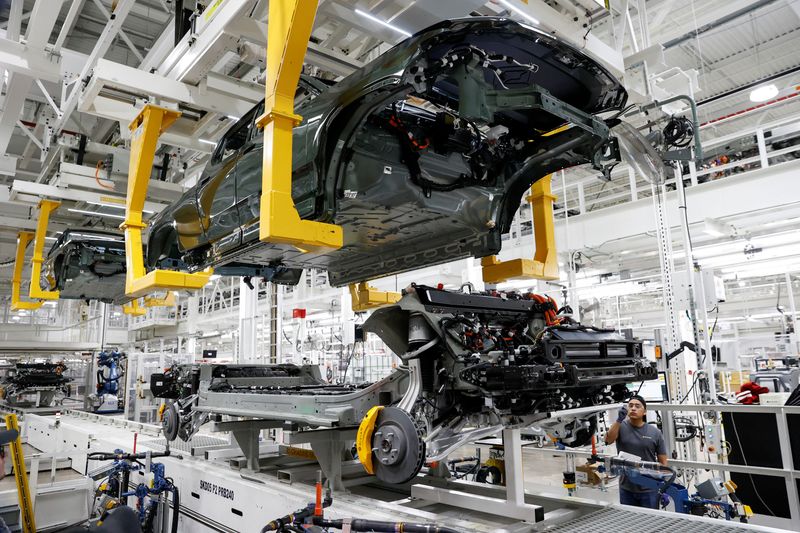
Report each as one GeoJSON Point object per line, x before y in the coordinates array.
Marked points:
{"type": "Point", "coordinates": [171, 421]}
{"type": "Point", "coordinates": [397, 446]}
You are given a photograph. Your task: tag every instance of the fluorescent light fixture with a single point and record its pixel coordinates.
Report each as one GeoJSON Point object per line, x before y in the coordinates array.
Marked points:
{"type": "Point", "coordinates": [95, 213]}
{"type": "Point", "coordinates": [382, 22]}
{"type": "Point", "coordinates": [763, 93]}
{"type": "Point", "coordinates": [115, 206]}
{"type": "Point", "coordinates": [49, 238]}
{"type": "Point", "coordinates": [213, 143]}
{"type": "Point", "coordinates": [518, 11]}
{"type": "Point", "coordinates": [232, 117]}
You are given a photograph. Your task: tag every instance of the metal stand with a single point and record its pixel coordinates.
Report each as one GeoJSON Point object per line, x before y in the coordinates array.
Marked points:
{"type": "Point", "coordinates": [513, 505]}
{"type": "Point", "coordinates": [328, 446]}
{"type": "Point", "coordinates": [246, 434]}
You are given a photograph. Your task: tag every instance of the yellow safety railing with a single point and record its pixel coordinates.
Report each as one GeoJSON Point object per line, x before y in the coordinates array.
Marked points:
{"type": "Point", "coordinates": [365, 297]}
{"type": "Point", "coordinates": [21, 476]}
{"type": "Point", "coordinates": [17, 304]}
{"type": "Point", "coordinates": [46, 208]}
{"type": "Point", "coordinates": [288, 32]}
{"type": "Point", "coordinates": [146, 128]}
{"type": "Point", "coordinates": [544, 264]}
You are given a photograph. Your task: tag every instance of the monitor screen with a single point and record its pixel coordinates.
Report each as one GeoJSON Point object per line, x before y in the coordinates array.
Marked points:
{"type": "Point", "coordinates": [654, 390]}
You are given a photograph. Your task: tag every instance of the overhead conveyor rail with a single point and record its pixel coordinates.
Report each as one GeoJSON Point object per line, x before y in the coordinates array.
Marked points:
{"type": "Point", "coordinates": [23, 238]}
{"type": "Point", "coordinates": [145, 131]}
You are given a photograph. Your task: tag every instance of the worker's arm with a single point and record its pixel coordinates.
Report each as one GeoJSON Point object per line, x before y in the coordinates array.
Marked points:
{"type": "Point", "coordinates": [661, 450]}
{"type": "Point", "coordinates": [613, 431]}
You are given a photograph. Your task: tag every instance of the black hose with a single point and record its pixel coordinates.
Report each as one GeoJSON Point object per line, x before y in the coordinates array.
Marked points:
{"type": "Point", "coordinates": [384, 527]}
{"type": "Point", "coordinates": [176, 506]}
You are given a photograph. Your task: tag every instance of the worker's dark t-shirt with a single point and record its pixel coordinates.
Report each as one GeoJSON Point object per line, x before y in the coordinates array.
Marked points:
{"type": "Point", "coordinates": [646, 442]}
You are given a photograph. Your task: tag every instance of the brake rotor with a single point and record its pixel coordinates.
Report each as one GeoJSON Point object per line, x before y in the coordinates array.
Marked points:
{"type": "Point", "coordinates": [171, 421]}
{"type": "Point", "coordinates": [398, 450]}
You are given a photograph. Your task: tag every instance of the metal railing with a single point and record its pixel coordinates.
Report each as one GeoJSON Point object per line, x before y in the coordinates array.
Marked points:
{"type": "Point", "coordinates": [581, 191]}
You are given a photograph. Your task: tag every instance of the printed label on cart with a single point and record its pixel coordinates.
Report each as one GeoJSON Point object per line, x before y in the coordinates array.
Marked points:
{"type": "Point", "coordinates": [216, 490]}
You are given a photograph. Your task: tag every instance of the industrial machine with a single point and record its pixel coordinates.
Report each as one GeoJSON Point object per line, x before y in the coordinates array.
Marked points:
{"type": "Point", "coordinates": [778, 374]}
{"type": "Point", "coordinates": [311, 518]}
{"type": "Point", "coordinates": [152, 495]}
{"type": "Point", "coordinates": [473, 364]}
{"type": "Point", "coordinates": [36, 385]}
{"type": "Point", "coordinates": [110, 371]}
{"type": "Point", "coordinates": [711, 498]}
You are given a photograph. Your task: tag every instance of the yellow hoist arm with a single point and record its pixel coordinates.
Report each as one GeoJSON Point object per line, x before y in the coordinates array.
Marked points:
{"type": "Point", "coordinates": [146, 128]}
{"type": "Point", "coordinates": [366, 297]}
{"type": "Point", "coordinates": [544, 264]}
{"type": "Point", "coordinates": [133, 308]}
{"type": "Point", "coordinates": [167, 301]}
{"type": "Point", "coordinates": [23, 238]}
{"type": "Point", "coordinates": [21, 476]}
{"type": "Point", "coordinates": [288, 32]}
{"type": "Point", "coordinates": [46, 208]}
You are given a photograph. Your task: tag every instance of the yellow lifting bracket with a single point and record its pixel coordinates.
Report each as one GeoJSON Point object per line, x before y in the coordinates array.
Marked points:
{"type": "Point", "coordinates": [148, 125]}
{"type": "Point", "coordinates": [133, 308]}
{"type": "Point", "coordinates": [21, 476]}
{"type": "Point", "coordinates": [365, 297]}
{"type": "Point", "coordinates": [544, 264]}
{"type": "Point", "coordinates": [167, 301]}
{"type": "Point", "coordinates": [23, 238]}
{"type": "Point", "coordinates": [46, 207]}
{"type": "Point", "coordinates": [288, 32]}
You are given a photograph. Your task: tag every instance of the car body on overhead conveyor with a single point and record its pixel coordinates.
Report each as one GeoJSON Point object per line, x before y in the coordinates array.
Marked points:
{"type": "Point", "coordinates": [472, 365]}
{"type": "Point", "coordinates": [422, 156]}
{"type": "Point", "coordinates": [86, 264]}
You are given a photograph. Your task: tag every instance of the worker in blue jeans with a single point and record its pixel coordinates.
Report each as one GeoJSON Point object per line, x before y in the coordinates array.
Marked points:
{"type": "Point", "coordinates": [635, 436]}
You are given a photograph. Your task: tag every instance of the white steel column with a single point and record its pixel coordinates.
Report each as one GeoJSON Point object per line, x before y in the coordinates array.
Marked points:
{"type": "Point", "coordinates": [512, 448]}
{"type": "Point", "coordinates": [248, 312]}
{"type": "Point", "coordinates": [699, 323]}
{"type": "Point", "coordinates": [192, 319]}
{"type": "Point", "coordinates": [632, 182]}
{"type": "Point", "coordinates": [793, 314]}
{"type": "Point", "coordinates": [762, 148]}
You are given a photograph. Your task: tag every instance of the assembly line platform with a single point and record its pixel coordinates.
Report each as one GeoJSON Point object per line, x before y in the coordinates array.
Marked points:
{"type": "Point", "coordinates": [219, 497]}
